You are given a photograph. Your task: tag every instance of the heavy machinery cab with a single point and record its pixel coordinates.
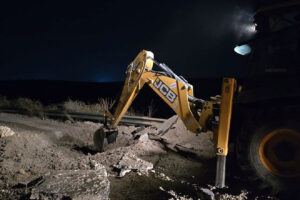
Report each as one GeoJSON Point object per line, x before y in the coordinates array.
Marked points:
{"type": "Point", "coordinates": [273, 65]}
{"type": "Point", "coordinates": [266, 113]}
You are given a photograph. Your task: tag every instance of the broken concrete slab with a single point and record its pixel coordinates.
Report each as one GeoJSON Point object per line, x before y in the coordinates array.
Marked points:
{"type": "Point", "coordinates": [131, 162]}
{"type": "Point", "coordinates": [174, 135]}
{"type": "Point", "coordinates": [167, 125]}
{"type": "Point", "coordinates": [73, 184]}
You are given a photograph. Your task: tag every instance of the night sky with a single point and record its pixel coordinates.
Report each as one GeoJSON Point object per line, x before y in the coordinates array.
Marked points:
{"type": "Point", "coordinates": [96, 40]}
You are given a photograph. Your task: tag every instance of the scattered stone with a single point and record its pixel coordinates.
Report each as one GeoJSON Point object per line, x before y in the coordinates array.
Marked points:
{"type": "Point", "coordinates": [23, 184]}
{"type": "Point", "coordinates": [69, 122]}
{"type": "Point", "coordinates": [139, 129]}
{"type": "Point", "coordinates": [167, 125]}
{"type": "Point", "coordinates": [242, 196]}
{"type": "Point", "coordinates": [164, 177]}
{"type": "Point", "coordinates": [144, 138]}
{"type": "Point", "coordinates": [6, 131]}
{"type": "Point", "coordinates": [209, 193]}
{"type": "Point", "coordinates": [175, 195]}
{"type": "Point", "coordinates": [73, 184]}
{"type": "Point", "coordinates": [27, 184]}
{"type": "Point", "coordinates": [22, 171]}
{"type": "Point", "coordinates": [130, 162]}
{"type": "Point", "coordinates": [95, 165]}
{"type": "Point", "coordinates": [174, 135]}
{"type": "Point", "coordinates": [124, 171]}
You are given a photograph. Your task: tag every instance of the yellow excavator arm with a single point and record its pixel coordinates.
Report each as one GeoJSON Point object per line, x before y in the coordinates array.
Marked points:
{"type": "Point", "coordinates": [197, 114]}
{"type": "Point", "coordinates": [175, 91]}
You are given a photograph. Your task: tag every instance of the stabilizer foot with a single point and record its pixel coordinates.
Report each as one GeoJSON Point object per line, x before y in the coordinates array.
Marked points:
{"type": "Point", "coordinates": [220, 173]}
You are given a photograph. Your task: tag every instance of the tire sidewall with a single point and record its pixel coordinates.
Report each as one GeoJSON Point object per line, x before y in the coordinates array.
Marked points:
{"type": "Point", "coordinates": [277, 182]}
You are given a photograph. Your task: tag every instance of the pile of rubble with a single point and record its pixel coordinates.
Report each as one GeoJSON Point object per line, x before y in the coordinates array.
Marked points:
{"type": "Point", "coordinates": [46, 159]}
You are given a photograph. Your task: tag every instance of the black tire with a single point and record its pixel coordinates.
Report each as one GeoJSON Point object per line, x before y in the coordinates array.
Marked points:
{"type": "Point", "coordinates": [249, 147]}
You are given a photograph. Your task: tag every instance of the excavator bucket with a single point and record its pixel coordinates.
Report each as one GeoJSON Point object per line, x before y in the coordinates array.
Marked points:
{"type": "Point", "coordinates": [132, 85]}
{"type": "Point", "coordinates": [104, 136]}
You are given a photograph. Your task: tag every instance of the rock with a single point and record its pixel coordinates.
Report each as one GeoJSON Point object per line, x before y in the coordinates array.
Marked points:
{"type": "Point", "coordinates": [167, 125]}
{"type": "Point", "coordinates": [6, 131]}
{"type": "Point", "coordinates": [124, 171]}
{"type": "Point", "coordinates": [175, 195]}
{"type": "Point", "coordinates": [73, 184]}
{"type": "Point", "coordinates": [95, 165]}
{"type": "Point", "coordinates": [139, 129]}
{"type": "Point", "coordinates": [208, 194]}
{"type": "Point", "coordinates": [26, 184]}
{"type": "Point", "coordinates": [144, 138]}
{"type": "Point", "coordinates": [130, 162]}
{"type": "Point", "coordinates": [68, 122]}
{"type": "Point", "coordinates": [242, 196]}
{"type": "Point", "coordinates": [174, 135]}
{"type": "Point", "coordinates": [22, 171]}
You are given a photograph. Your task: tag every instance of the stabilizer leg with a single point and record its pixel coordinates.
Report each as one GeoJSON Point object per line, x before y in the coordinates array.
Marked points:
{"type": "Point", "coordinates": [228, 88]}
{"type": "Point", "coordinates": [220, 172]}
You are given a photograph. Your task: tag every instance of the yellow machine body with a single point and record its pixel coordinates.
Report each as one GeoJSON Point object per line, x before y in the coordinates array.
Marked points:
{"type": "Point", "coordinates": [176, 94]}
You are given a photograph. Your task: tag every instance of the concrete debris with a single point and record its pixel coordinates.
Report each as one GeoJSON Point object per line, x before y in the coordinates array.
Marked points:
{"type": "Point", "coordinates": [95, 165]}
{"type": "Point", "coordinates": [175, 136]}
{"type": "Point", "coordinates": [242, 196]}
{"type": "Point", "coordinates": [124, 171]}
{"type": "Point", "coordinates": [137, 130]}
{"type": "Point", "coordinates": [22, 171]}
{"type": "Point", "coordinates": [144, 138]}
{"type": "Point", "coordinates": [6, 131]}
{"type": "Point", "coordinates": [27, 184]}
{"type": "Point", "coordinates": [54, 160]}
{"type": "Point", "coordinates": [209, 193]}
{"type": "Point", "coordinates": [73, 184]}
{"type": "Point", "coordinates": [175, 196]}
{"type": "Point", "coordinates": [164, 177]}
{"type": "Point", "coordinates": [131, 162]}
{"type": "Point", "coordinates": [167, 125]}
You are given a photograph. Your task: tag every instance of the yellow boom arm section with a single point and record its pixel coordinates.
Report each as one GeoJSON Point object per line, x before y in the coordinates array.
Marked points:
{"type": "Point", "coordinates": [196, 114]}
{"type": "Point", "coordinates": [177, 94]}
{"type": "Point", "coordinates": [174, 92]}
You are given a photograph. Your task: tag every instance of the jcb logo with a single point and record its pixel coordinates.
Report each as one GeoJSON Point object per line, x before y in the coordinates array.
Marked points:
{"type": "Point", "coordinates": [165, 90]}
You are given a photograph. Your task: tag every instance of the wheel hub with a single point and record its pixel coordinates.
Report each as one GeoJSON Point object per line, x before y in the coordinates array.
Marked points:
{"type": "Point", "coordinates": [279, 152]}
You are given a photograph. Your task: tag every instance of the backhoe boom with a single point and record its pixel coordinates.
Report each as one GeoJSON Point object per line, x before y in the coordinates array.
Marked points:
{"type": "Point", "coordinates": [197, 115]}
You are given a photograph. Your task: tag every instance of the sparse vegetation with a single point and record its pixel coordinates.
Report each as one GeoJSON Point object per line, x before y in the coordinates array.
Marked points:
{"type": "Point", "coordinates": [79, 106]}
{"type": "Point", "coordinates": [106, 103]}
{"type": "Point", "coordinates": [23, 105]}
{"type": "Point", "coordinates": [28, 106]}
{"type": "Point", "coordinates": [36, 108]}
{"type": "Point", "coordinates": [4, 102]}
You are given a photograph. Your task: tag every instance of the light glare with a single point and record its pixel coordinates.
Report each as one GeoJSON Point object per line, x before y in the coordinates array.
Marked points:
{"type": "Point", "coordinates": [244, 49]}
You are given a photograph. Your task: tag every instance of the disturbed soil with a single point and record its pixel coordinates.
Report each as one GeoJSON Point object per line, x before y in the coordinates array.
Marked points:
{"type": "Point", "coordinates": [48, 159]}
